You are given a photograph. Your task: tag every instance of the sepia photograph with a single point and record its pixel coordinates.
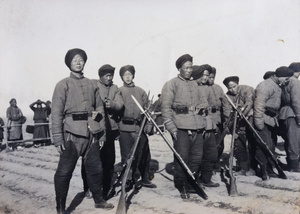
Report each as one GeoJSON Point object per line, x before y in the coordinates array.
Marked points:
{"type": "Point", "coordinates": [151, 107]}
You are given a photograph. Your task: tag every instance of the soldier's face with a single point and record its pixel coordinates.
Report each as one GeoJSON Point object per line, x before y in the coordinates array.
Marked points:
{"type": "Point", "coordinates": [283, 80]}
{"type": "Point", "coordinates": [211, 79]}
{"type": "Point", "coordinates": [127, 77]}
{"type": "Point", "coordinates": [204, 78]}
{"type": "Point", "coordinates": [107, 79]}
{"type": "Point", "coordinates": [232, 87]}
{"type": "Point", "coordinates": [77, 64]}
{"type": "Point", "coordinates": [186, 70]}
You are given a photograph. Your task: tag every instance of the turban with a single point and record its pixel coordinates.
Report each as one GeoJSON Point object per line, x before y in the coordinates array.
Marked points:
{"type": "Point", "coordinates": [268, 74]}
{"type": "Point", "coordinates": [183, 59]}
{"type": "Point", "coordinates": [125, 68]}
{"type": "Point", "coordinates": [106, 69]}
{"type": "Point", "coordinates": [12, 99]}
{"type": "Point", "coordinates": [295, 66]}
{"type": "Point", "coordinates": [231, 79]}
{"type": "Point", "coordinates": [199, 70]}
{"type": "Point", "coordinates": [284, 71]}
{"type": "Point", "coordinates": [73, 52]}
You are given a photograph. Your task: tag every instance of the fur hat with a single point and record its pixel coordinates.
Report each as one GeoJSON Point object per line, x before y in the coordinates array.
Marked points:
{"type": "Point", "coordinates": [284, 71]}
{"type": "Point", "coordinates": [106, 69]}
{"type": "Point", "coordinates": [183, 59]}
{"type": "Point", "coordinates": [73, 52]}
{"type": "Point", "coordinates": [125, 68]}
{"type": "Point", "coordinates": [231, 79]}
{"type": "Point", "coordinates": [199, 70]}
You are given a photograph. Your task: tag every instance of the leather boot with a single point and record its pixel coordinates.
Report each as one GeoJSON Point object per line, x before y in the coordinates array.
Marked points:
{"type": "Point", "coordinates": [206, 179]}
{"type": "Point", "coordinates": [147, 183]}
{"type": "Point", "coordinates": [60, 205]}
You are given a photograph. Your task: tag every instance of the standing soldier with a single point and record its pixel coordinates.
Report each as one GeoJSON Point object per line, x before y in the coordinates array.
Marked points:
{"type": "Point", "coordinates": [130, 125]}
{"type": "Point", "coordinates": [1, 132]}
{"type": "Point", "coordinates": [77, 130]}
{"type": "Point", "coordinates": [113, 103]}
{"type": "Point", "coordinates": [242, 97]}
{"type": "Point", "coordinates": [218, 95]}
{"type": "Point", "coordinates": [210, 152]}
{"type": "Point", "coordinates": [181, 103]}
{"type": "Point", "coordinates": [289, 117]}
{"type": "Point", "coordinates": [267, 101]}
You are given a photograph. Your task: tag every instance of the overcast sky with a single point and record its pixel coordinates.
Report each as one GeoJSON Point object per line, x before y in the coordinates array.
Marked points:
{"type": "Point", "coordinates": [238, 37]}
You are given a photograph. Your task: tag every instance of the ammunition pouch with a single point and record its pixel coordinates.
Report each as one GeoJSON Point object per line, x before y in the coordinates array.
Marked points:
{"type": "Point", "coordinates": [203, 112]}
{"type": "Point", "coordinates": [130, 121]}
{"type": "Point", "coordinates": [181, 110]}
{"type": "Point", "coordinates": [215, 109]}
{"type": "Point", "coordinates": [271, 112]}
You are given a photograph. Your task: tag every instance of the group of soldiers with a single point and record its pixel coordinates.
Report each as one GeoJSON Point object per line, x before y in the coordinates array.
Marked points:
{"type": "Point", "coordinates": [89, 115]}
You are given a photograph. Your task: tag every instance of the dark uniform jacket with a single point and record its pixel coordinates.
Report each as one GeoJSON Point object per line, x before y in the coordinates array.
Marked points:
{"type": "Point", "coordinates": [290, 100]}
{"type": "Point", "coordinates": [112, 93]}
{"type": "Point", "coordinates": [266, 103]}
{"type": "Point", "coordinates": [74, 95]}
{"type": "Point", "coordinates": [181, 102]}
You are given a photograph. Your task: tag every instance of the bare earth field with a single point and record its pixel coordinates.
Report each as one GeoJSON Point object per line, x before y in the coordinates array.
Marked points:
{"type": "Point", "coordinates": [27, 187]}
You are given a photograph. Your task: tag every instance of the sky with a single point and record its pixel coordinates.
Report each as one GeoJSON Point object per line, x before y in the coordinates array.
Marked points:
{"type": "Point", "coordinates": [239, 37]}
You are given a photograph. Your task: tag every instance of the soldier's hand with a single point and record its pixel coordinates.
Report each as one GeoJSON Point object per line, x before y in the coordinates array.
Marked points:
{"type": "Point", "coordinates": [101, 144]}
{"type": "Point", "coordinates": [108, 103]}
{"type": "Point", "coordinates": [174, 135]}
{"type": "Point", "coordinates": [60, 149]}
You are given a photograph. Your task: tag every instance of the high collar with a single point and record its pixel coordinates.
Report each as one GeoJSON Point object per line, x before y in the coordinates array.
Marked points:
{"type": "Point", "coordinates": [180, 77]}
{"type": "Point", "coordinates": [130, 85]}
{"type": "Point", "coordinates": [76, 75]}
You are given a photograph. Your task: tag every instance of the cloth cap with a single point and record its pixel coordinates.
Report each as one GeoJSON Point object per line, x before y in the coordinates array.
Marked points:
{"type": "Point", "coordinates": [284, 71]}
{"type": "Point", "coordinates": [73, 52]}
{"type": "Point", "coordinates": [295, 66]}
{"type": "Point", "coordinates": [231, 79]}
{"type": "Point", "coordinates": [106, 69]}
{"type": "Point", "coordinates": [12, 99]}
{"type": "Point", "coordinates": [268, 74]}
{"type": "Point", "coordinates": [183, 59]}
{"type": "Point", "coordinates": [125, 68]}
{"type": "Point", "coordinates": [199, 70]}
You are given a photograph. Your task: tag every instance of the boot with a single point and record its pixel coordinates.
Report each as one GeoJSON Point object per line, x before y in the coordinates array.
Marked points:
{"type": "Point", "coordinates": [206, 179]}
{"type": "Point", "coordinates": [184, 194]}
{"type": "Point", "coordinates": [147, 183]}
{"type": "Point", "coordinates": [60, 205]}
{"type": "Point", "coordinates": [101, 203]}
{"type": "Point", "coordinates": [294, 165]}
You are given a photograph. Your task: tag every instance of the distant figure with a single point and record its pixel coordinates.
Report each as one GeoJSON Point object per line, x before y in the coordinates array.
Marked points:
{"type": "Point", "coordinates": [15, 120]}
{"type": "Point", "coordinates": [1, 132]}
{"type": "Point", "coordinates": [41, 128]}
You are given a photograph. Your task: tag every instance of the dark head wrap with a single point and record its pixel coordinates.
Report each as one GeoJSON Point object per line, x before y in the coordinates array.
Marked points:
{"type": "Point", "coordinates": [213, 71]}
{"type": "Point", "coordinates": [284, 71]}
{"type": "Point", "coordinates": [12, 99]}
{"type": "Point", "coordinates": [183, 59]}
{"type": "Point", "coordinates": [268, 74]}
{"type": "Point", "coordinates": [73, 52]}
{"type": "Point", "coordinates": [231, 79]}
{"type": "Point", "coordinates": [295, 66]}
{"type": "Point", "coordinates": [39, 102]}
{"type": "Point", "coordinates": [125, 68]}
{"type": "Point", "coordinates": [199, 70]}
{"type": "Point", "coordinates": [106, 69]}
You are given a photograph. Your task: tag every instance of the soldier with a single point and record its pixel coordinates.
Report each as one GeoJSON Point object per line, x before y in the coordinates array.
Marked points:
{"type": "Point", "coordinates": [289, 117]}
{"type": "Point", "coordinates": [130, 125]}
{"type": "Point", "coordinates": [181, 103]}
{"type": "Point", "coordinates": [210, 152]}
{"type": "Point", "coordinates": [77, 130]}
{"type": "Point", "coordinates": [113, 104]}
{"type": "Point", "coordinates": [242, 97]}
{"type": "Point", "coordinates": [218, 95]}
{"type": "Point", "coordinates": [266, 107]}
{"type": "Point", "coordinates": [268, 74]}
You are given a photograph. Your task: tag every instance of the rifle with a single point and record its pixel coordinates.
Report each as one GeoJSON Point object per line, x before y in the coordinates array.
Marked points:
{"type": "Point", "coordinates": [232, 185]}
{"type": "Point", "coordinates": [121, 209]}
{"type": "Point", "coordinates": [192, 180]}
{"type": "Point", "coordinates": [260, 142]}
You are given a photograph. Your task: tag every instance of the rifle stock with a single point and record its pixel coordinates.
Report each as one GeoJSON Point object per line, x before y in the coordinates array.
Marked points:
{"type": "Point", "coordinates": [232, 186]}
{"type": "Point", "coordinates": [260, 141]}
{"type": "Point", "coordinates": [192, 180]}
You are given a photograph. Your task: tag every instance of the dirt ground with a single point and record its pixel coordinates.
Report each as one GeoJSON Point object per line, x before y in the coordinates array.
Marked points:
{"type": "Point", "coordinates": [27, 187]}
